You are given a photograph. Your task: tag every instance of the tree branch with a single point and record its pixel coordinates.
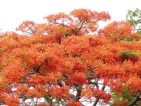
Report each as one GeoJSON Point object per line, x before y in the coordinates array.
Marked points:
{"type": "Point", "coordinates": [92, 77]}
{"type": "Point", "coordinates": [78, 95]}
{"type": "Point", "coordinates": [97, 99]}
{"type": "Point", "coordinates": [80, 26]}
{"type": "Point", "coordinates": [134, 101]}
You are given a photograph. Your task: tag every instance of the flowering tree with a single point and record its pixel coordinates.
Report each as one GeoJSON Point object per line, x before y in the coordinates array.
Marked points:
{"type": "Point", "coordinates": [67, 61]}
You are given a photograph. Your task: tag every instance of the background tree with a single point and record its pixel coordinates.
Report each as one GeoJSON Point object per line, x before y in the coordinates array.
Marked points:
{"type": "Point", "coordinates": [134, 17]}
{"type": "Point", "coordinates": [66, 62]}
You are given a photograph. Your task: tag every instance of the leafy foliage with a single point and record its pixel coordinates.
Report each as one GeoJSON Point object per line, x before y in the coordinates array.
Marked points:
{"type": "Point", "coordinates": [126, 96]}
{"type": "Point", "coordinates": [134, 17]}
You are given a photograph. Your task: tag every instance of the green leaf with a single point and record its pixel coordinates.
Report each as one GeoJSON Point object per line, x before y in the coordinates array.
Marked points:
{"type": "Point", "coordinates": [129, 53]}
{"type": "Point", "coordinates": [128, 39]}
{"type": "Point", "coordinates": [134, 17]}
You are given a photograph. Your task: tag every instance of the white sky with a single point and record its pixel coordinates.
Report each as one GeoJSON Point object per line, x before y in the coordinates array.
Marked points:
{"type": "Point", "coordinates": [13, 12]}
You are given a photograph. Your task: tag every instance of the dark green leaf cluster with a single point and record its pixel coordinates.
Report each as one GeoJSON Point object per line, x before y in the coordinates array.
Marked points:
{"type": "Point", "coordinates": [129, 53]}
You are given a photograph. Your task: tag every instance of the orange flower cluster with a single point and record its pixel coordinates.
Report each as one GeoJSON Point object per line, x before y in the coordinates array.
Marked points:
{"type": "Point", "coordinates": [12, 101]}
{"type": "Point", "coordinates": [119, 30]}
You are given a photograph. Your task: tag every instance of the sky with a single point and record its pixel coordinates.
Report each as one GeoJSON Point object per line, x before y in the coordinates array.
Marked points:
{"type": "Point", "coordinates": [14, 12]}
